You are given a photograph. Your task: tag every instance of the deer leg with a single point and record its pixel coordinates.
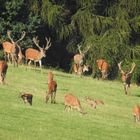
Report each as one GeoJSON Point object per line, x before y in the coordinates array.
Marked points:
{"type": "Point", "coordinates": [40, 64]}
{"type": "Point", "coordinates": [54, 95]}
{"type": "Point", "coordinates": [47, 97]}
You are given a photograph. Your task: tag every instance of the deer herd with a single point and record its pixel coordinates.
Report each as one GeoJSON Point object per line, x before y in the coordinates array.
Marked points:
{"type": "Point", "coordinates": [13, 53]}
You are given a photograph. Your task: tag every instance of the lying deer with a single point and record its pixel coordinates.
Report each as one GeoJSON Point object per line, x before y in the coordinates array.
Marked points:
{"type": "Point", "coordinates": [72, 102]}
{"type": "Point", "coordinates": [136, 113]}
{"type": "Point", "coordinates": [93, 103]}
{"type": "Point", "coordinates": [126, 76]}
{"type": "Point", "coordinates": [27, 97]}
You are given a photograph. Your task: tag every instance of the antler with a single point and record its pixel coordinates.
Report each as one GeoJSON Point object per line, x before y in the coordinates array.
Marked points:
{"type": "Point", "coordinates": [132, 67]}
{"type": "Point", "coordinates": [119, 65]}
{"type": "Point", "coordinates": [22, 36]}
{"type": "Point", "coordinates": [36, 41]}
{"type": "Point", "coordinates": [48, 44]}
{"type": "Point", "coordinates": [9, 36]}
{"type": "Point", "coordinates": [87, 49]}
{"type": "Point", "coordinates": [79, 48]}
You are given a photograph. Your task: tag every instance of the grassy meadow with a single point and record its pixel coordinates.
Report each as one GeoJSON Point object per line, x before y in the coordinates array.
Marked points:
{"type": "Point", "coordinates": [41, 121]}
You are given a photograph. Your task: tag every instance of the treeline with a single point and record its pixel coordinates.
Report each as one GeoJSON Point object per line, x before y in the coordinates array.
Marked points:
{"type": "Point", "coordinates": [110, 27]}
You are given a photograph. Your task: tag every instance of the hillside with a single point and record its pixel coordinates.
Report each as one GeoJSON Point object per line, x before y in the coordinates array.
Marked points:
{"type": "Point", "coordinates": [41, 121]}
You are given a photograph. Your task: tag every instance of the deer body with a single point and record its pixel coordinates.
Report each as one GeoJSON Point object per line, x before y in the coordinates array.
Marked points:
{"type": "Point", "coordinates": [27, 98]}
{"type": "Point", "coordinates": [126, 76]}
{"type": "Point", "coordinates": [3, 70]}
{"type": "Point", "coordinates": [72, 102]}
{"type": "Point", "coordinates": [103, 67]}
{"type": "Point", "coordinates": [52, 87]}
{"type": "Point", "coordinates": [136, 113]}
{"type": "Point", "coordinates": [35, 55]}
{"type": "Point", "coordinates": [12, 50]}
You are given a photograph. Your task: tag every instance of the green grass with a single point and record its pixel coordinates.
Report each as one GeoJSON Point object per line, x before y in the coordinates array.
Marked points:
{"type": "Point", "coordinates": [112, 121]}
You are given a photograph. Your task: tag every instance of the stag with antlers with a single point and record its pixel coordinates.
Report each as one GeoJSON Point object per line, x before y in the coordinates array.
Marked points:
{"type": "Point", "coordinates": [79, 58]}
{"type": "Point", "coordinates": [12, 50]}
{"type": "Point", "coordinates": [126, 76]}
{"type": "Point", "coordinates": [35, 55]}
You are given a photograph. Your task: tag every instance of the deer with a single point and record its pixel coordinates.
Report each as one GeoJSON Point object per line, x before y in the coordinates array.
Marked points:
{"type": "Point", "coordinates": [35, 55]}
{"type": "Point", "coordinates": [72, 102]}
{"type": "Point", "coordinates": [80, 70]}
{"type": "Point", "coordinates": [79, 58]}
{"type": "Point", "coordinates": [3, 70]}
{"type": "Point", "coordinates": [12, 50]}
{"type": "Point", "coordinates": [93, 103]}
{"type": "Point", "coordinates": [26, 97]}
{"type": "Point", "coordinates": [103, 66]}
{"type": "Point", "coordinates": [126, 76]}
{"type": "Point", "coordinates": [136, 113]}
{"type": "Point", "coordinates": [52, 87]}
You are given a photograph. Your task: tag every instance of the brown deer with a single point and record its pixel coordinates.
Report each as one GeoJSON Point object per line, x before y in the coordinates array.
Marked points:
{"type": "Point", "coordinates": [3, 70]}
{"type": "Point", "coordinates": [79, 58]}
{"type": "Point", "coordinates": [126, 76]}
{"type": "Point", "coordinates": [80, 70]}
{"type": "Point", "coordinates": [27, 97]}
{"type": "Point", "coordinates": [72, 102]}
{"type": "Point", "coordinates": [52, 87]}
{"type": "Point", "coordinates": [136, 113]}
{"type": "Point", "coordinates": [50, 77]}
{"type": "Point", "coordinates": [93, 103]}
{"type": "Point", "coordinates": [35, 55]}
{"type": "Point", "coordinates": [103, 66]}
{"type": "Point", "coordinates": [12, 50]}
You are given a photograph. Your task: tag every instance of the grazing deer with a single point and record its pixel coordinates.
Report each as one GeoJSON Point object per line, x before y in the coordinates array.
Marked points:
{"type": "Point", "coordinates": [126, 76]}
{"type": "Point", "coordinates": [73, 103]}
{"type": "Point", "coordinates": [52, 87]}
{"type": "Point", "coordinates": [79, 58]}
{"type": "Point", "coordinates": [136, 113]}
{"type": "Point", "coordinates": [50, 77]}
{"type": "Point", "coordinates": [80, 70]}
{"type": "Point", "coordinates": [3, 70]}
{"type": "Point", "coordinates": [27, 97]}
{"type": "Point", "coordinates": [103, 66]}
{"type": "Point", "coordinates": [35, 55]}
{"type": "Point", "coordinates": [12, 50]}
{"type": "Point", "coordinates": [93, 103]}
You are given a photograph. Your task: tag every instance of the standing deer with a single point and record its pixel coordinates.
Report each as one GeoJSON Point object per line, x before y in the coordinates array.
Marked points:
{"type": "Point", "coordinates": [79, 58]}
{"type": "Point", "coordinates": [73, 103]}
{"type": "Point", "coordinates": [3, 70]}
{"type": "Point", "coordinates": [136, 113]}
{"type": "Point", "coordinates": [35, 55]}
{"type": "Point", "coordinates": [126, 76]}
{"type": "Point", "coordinates": [103, 66]}
{"type": "Point", "coordinates": [12, 50]}
{"type": "Point", "coordinates": [52, 87]}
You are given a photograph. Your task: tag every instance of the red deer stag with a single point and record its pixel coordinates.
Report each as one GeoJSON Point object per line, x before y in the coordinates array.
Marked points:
{"type": "Point", "coordinates": [52, 87]}
{"type": "Point", "coordinates": [35, 55]}
{"type": "Point", "coordinates": [3, 70]}
{"type": "Point", "coordinates": [80, 70]}
{"type": "Point", "coordinates": [103, 66]}
{"type": "Point", "coordinates": [12, 50]}
{"type": "Point", "coordinates": [73, 103]}
{"type": "Point", "coordinates": [27, 97]}
{"type": "Point", "coordinates": [79, 58]}
{"type": "Point", "coordinates": [136, 113]}
{"type": "Point", "coordinates": [126, 76]}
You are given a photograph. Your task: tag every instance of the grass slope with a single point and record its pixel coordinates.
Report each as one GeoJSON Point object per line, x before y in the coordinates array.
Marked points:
{"type": "Point", "coordinates": [112, 121]}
